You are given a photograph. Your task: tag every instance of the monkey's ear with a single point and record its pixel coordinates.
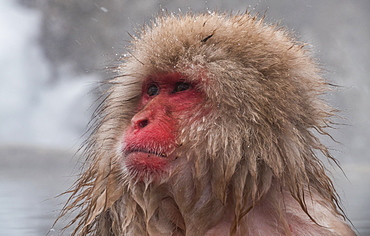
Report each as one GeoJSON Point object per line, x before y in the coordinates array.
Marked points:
{"type": "Point", "coordinates": [206, 38]}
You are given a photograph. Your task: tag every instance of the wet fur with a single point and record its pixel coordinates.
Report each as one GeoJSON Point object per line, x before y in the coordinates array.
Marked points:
{"type": "Point", "coordinates": [247, 167]}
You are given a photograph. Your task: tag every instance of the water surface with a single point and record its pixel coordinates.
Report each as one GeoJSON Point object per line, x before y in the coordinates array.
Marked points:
{"type": "Point", "coordinates": [30, 178]}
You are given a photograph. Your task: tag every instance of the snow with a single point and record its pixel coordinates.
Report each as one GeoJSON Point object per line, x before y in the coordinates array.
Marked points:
{"type": "Point", "coordinates": [35, 109]}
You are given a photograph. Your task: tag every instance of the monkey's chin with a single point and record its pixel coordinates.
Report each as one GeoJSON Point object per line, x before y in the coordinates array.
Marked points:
{"type": "Point", "coordinates": [146, 165]}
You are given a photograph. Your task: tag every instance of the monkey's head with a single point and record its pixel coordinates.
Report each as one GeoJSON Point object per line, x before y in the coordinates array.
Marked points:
{"type": "Point", "coordinates": [213, 105]}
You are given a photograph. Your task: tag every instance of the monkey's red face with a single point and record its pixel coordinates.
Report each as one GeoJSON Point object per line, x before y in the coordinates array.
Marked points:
{"type": "Point", "coordinates": [149, 144]}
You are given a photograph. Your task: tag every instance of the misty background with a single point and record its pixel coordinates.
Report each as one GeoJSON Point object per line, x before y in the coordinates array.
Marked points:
{"type": "Point", "coordinates": [53, 53]}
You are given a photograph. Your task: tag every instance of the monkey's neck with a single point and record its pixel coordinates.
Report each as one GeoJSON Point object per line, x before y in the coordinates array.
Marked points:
{"type": "Point", "coordinates": [159, 210]}
{"type": "Point", "coordinates": [165, 210]}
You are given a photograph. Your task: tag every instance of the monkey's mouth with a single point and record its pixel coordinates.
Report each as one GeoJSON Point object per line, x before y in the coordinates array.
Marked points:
{"type": "Point", "coordinates": [143, 162]}
{"type": "Point", "coordinates": [148, 152]}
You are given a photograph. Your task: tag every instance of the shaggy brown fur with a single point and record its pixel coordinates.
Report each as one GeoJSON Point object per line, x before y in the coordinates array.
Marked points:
{"type": "Point", "coordinates": [249, 166]}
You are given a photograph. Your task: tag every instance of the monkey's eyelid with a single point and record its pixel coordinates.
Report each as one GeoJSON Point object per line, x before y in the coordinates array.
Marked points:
{"type": "Point", "coordinates": [181, 86]}
{"type": "Point", "coordinates": [152, 90]}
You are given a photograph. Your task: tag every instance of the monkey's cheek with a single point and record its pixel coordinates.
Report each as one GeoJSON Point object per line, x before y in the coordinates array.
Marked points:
{"type": "Point", "coordinates": [146, 164]}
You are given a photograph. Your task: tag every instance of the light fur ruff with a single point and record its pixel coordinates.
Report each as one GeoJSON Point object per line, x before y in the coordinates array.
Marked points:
{"type": "Point", "coordinates": [250, 165]}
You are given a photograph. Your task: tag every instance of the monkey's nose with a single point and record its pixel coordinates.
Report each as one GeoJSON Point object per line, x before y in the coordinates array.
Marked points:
{"type": "Point", "coordinates": [142, 123]}
{"type": "Point", "coordinates": [141, 119]}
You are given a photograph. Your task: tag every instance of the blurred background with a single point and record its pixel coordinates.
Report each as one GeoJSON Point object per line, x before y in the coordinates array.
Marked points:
{"type": "Point", "coordinates": [54, 52]}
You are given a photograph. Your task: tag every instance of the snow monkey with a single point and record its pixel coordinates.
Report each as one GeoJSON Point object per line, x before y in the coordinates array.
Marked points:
{"type": "Point", "coordinates": [210, 128]}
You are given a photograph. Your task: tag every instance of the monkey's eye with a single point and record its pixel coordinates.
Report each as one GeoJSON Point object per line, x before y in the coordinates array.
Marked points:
{"type": "Point", "coordinates": [181, 86]}
{"type": "Point", "coordinates": [152, 90]}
